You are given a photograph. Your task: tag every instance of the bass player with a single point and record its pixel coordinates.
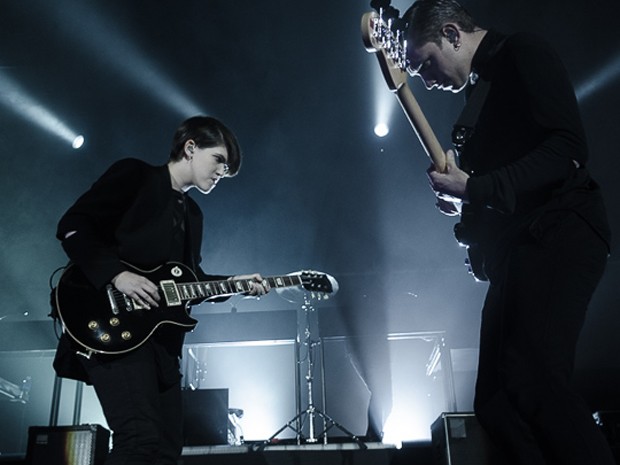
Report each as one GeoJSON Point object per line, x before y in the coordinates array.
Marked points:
{"type": "Point", "coordinates": [538, 218]}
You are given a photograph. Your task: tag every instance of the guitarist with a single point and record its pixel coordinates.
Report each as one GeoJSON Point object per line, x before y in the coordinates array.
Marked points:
{"type": "Point", "coordinates": [538, 218]}
{"type": "Point", "coordinates": [141, 214]}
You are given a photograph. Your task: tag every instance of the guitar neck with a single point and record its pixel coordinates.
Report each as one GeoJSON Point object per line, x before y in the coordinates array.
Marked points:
{"type": "Point", "coordinates": [177, 292]}
{"type": "Point", "coordinates": [421, 126]}
{"type": "Point", "coordinates": [390, 49]}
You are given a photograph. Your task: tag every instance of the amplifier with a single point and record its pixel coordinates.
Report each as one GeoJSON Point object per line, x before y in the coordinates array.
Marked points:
{"type": "Point", "coordinates": [205, 417]}
{"type": "Point", "coordinates": [67, 445]}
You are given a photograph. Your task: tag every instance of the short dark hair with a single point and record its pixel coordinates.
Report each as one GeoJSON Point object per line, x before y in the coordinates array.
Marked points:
{"type": "Point", "coordinates": [425, 18]}
{"type": "Point", "coordinates": [207, 132]}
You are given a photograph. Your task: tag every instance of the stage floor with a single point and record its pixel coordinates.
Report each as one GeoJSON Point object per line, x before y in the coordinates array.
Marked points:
{"type": "Point", "coordinates": [349, 453]}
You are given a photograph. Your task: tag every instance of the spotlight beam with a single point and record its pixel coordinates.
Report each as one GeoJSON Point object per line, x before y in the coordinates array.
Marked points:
{"type": "Point", "coordinates": [602, 78]}
{"type": "Point", "coordinates": [95, 33]}
{"type": "Point", "coordinates": [384, 103]}
{"type": "Point", "coordinates": [15, 98]}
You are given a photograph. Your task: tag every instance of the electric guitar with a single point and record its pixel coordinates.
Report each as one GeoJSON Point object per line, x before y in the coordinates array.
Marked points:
{"type": "Point", "coordinates": [109, 322]}
{"type": "Point", "coordinates": [390, 50]}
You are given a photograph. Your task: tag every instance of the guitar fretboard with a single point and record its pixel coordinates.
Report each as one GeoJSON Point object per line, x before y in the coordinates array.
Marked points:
{"type": "Point", "coordinates": [176, 292]}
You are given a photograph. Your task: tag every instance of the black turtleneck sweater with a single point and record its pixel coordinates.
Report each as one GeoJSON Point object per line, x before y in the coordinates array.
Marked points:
{"type": "Point", "coordinates": [528, 152]}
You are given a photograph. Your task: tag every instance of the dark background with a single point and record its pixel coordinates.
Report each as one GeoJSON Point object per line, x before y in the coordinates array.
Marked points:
{"type": "Point", "coordinates": [317, 189]}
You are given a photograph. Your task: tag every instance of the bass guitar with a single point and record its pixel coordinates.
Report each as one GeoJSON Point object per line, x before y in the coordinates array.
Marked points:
{"type": "Point", "coordinates": [390, 49]}
{"type": "Point", "coordinates": [109, 322]}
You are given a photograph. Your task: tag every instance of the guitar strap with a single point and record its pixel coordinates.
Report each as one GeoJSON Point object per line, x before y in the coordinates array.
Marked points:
{"type": "Point", "coordinates": [464, 231]}
{"type": "Point", "coordinates": [464, 127]}
{"type": "Point", "coordinates": [465, 124]}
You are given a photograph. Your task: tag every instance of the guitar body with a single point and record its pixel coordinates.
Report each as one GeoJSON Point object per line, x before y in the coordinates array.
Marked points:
{"type": "Point", "coordinates": [466, 237]}
{"type": "Point", "coordinates": [90, 318]}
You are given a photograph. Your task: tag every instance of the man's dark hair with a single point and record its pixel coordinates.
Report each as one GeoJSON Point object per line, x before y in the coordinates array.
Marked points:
{"type": "Point", "coordinates": [425, 19]}
{"type": "Point", "coordinates": [207, 132]}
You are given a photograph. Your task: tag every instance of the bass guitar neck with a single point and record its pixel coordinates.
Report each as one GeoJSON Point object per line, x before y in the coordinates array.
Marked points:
{"type": "Point", "coordinates": [389, 48]}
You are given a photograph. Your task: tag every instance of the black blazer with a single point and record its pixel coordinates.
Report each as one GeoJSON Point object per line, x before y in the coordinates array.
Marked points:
{"type": "Point", "coordinates": [126, 215]}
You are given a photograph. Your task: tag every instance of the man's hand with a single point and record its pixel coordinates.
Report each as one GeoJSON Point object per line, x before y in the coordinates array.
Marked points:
{"type": "Point", "coordinates": [137, 287]}
{"type": "Point", "coordinates": [450, 185]}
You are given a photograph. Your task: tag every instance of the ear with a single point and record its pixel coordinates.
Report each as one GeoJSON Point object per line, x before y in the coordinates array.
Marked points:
{"type": "Point", "coordinates": [452, 33]}
{"type": "Point", "coordinates": [189, 148]}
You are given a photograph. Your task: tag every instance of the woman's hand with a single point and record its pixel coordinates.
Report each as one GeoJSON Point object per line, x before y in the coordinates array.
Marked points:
{"type": "Point", "coordinates": [138, 288]}
{"type": "Point", "coordinates": [258, 285]}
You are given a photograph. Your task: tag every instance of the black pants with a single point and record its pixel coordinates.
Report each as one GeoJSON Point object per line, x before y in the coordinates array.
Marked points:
{"type": "Point", "coordinates": [531, 320]}
{"type": "Point", "coordinates": [140, 395]}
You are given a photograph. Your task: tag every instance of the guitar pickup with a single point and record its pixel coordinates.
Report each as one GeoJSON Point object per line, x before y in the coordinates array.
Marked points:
{"type": "Point", "coordinates": [171, 292]}
{"type": "Point", "coordinates": [109, 289]}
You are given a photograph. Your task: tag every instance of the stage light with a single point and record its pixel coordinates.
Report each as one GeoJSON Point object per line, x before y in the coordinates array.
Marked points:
{"type": "Point", "coordinates": [15, 98]}
{"type": "Point", "coordinates": [78, 142]}
{"type": "Point", "coordinates": [381, 130]}
{"type": "Point", "coordinates": [384, 101]}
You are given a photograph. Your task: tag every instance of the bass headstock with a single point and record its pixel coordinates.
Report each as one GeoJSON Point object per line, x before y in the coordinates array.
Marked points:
{"type": "Point", "coordinates": [389, 45]}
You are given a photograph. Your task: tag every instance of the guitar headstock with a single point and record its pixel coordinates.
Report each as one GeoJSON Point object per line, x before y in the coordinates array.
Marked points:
{"type": "Point", "coordinates": [312, 285]}
{"type": "Point", "coordinates": [315, 281]}
{"type": "Point", "coordinates": [389, 46]}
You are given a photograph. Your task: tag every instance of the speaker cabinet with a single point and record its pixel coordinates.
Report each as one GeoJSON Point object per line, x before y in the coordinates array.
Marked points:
{"type": "Point", "coordinates": [205, 416]}
{"type": "Point", "coordinates": [67, 445]}
{"type": "Point", "coordinates": [458, 439]}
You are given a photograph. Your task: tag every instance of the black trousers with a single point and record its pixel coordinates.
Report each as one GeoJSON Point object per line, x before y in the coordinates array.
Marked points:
{"type": "Point", "coordinates": [531, 320]}
{"type": "Point", "coordinates": [140, 394]}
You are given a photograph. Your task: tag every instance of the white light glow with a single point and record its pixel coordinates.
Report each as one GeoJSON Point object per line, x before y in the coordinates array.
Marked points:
{"type": "Point", "coordinates": [385, 101]}
{"type": "Point", "coordinates": [381, 130]}
{"type": "Point", "coordinates": [260, 378]}
{"type": "Point", "coordinates": [78, 142]}
{"type": "Point", "coordinates": [392, 432]}
{"type": "Point", "coordinates": [17, 99]}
